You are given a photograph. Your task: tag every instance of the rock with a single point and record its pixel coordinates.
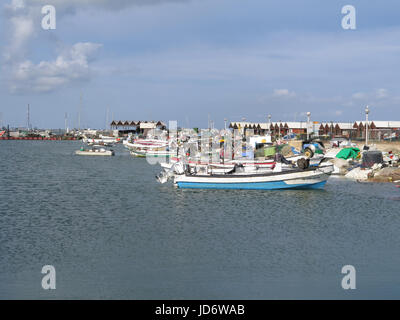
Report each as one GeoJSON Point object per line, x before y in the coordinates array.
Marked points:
{"type": "Point", "coordinates": [359, 174]}
{"type": "Point", "coordinates": [389, 172]}
{"type": "Point", "coordinates": [340, 165]}
{"type": "Point", "coordinates": [376, 167]}
{"type": "Point", "coordinates": [331, 153]}
{"type": "Point", "coordinates": [380, 179]}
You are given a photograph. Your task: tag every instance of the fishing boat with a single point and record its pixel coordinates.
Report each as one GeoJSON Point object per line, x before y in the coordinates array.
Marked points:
{"type": "Point", "coordinates": [100, 143]}
{"type": "Point", "coordinates": [248, 165]}
{"type": "Point", "coordinates": [94, 151]}
{"type": "Point", "coordinates": [149, 148]}
{"type": "Point", "coordinates": [103, 140]}
{"type": "Point", "coordinates": [311, 177]}
{"type": "Point", "coordinates": [221, 167]}
{"type": "Point", "coordinates": [152, 153]}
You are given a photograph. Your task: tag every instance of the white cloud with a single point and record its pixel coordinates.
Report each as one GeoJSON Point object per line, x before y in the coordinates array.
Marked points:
{"type": "Point", "coordinates": [381, 93]}
{"type": "Point", "coordinates": [16, 4]}
{"type": "Point", "coordinates": [73, 5]}
{"type": "Point", "coordinates": [283, 93]}
{"type": "Point", "coordinates": [371, 95]}
{"type": "Point", "coordinates": [359, 95]}
{"type": "Point", "coordinates": [23, 20]}
{"type": "Point", "coordinates": [71, 65]}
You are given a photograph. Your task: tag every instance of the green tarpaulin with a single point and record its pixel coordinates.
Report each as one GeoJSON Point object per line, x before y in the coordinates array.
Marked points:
{"type": "Point", "coordinates": [348, 153]}
{"type": "Point", "coordinates": [269, 151]}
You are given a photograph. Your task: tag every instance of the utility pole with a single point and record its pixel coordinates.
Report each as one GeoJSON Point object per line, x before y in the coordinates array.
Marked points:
{"type": "Point", "coordinates": [269, 124]}
{"type": "Point", "coordinates": [308, 125]}
{"type": "Point", "coordinates": [366, 125]}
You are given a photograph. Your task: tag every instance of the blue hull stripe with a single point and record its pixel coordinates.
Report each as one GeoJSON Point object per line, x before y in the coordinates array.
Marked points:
{"type": "Point", "coordinates": [250, 185]}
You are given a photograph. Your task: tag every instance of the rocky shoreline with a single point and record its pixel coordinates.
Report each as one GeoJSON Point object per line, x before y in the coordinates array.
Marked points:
{"type": "Point", "coordinates": [387, 171]}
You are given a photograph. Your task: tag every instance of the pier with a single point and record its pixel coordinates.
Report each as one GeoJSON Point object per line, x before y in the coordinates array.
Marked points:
{"type": "Point", "coordinates": [39, 138]}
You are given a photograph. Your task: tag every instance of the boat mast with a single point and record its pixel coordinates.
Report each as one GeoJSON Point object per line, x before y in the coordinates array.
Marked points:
{"type": "Point", "coordinates": [107, 116]}
{"type": "Point", "coordinates": [65, 122]}
{"type": "Point", "coordinates": [79, 113]}
{"type": "Point", "coordinates": [28, 121]}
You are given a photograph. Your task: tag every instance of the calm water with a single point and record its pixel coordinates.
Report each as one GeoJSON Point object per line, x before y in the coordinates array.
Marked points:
{"type": "Point", "coordinates": [112, 231]}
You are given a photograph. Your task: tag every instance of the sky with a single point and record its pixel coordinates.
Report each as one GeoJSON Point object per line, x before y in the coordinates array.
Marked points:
{"type": "Point", "coordinates": [190, 60]}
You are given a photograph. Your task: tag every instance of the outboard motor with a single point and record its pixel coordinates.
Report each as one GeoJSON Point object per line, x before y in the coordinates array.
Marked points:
{"type": "Point", "coordinates": [303, 163]}
{"type": "Point", "coordinates": [162, 177]}
{"type": "Point", "coordinates": [179, 168]}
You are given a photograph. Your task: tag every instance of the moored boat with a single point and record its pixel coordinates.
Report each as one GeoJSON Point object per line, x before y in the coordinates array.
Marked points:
{"type": "Point", "coordinates": [311, 177]}
{"type": "Point", "coordinates": [149, 148]}
{"type": "Point", "coordinates": [151, 153]}
{"type": "Point", "coordinates": [94, 151]}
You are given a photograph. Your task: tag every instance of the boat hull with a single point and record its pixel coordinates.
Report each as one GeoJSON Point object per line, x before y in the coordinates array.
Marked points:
{"type": "Point", "coordinates": [308, 179]}
{"type": "Point", "coordinates": [251, 186]}
{"type": "Point", "coordinates": [90, 153]}
{"type": "Point", "coordinates": [154, 154]}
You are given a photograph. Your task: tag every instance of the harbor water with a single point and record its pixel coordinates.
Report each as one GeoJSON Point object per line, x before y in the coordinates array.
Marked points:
{"type": "Point", "coordinates": [111, 231]}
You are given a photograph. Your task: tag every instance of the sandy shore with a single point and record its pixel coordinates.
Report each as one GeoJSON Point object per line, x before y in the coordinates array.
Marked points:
{"type": "Point", "coordinates": [387, 146]}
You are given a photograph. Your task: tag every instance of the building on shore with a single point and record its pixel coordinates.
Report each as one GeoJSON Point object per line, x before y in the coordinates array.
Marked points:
{"type": "Point", "coordinates": [344, 129]}
{"type": "Point", "coordinates": [377, 130]}
{"type": "Point", "coordinates": [275, 128]}
{"type": "Point", "coordinates": [137, 127]}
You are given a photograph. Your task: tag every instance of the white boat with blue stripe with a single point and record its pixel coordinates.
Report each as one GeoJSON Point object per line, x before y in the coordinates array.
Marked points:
{"type": "Point", "coordinates": [313, 177]}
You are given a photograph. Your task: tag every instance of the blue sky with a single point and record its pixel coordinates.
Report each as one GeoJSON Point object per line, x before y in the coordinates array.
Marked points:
{"type": "Point", "coordinates": [187, 59]}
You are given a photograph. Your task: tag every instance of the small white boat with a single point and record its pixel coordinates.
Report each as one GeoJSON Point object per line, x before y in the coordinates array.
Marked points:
{"type": "Point", "coordinates": [95, 151]}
